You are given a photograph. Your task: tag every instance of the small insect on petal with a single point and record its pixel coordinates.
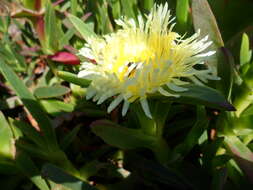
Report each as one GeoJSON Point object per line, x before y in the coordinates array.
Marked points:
{"type": "Point", "coordinates": [65, 58]}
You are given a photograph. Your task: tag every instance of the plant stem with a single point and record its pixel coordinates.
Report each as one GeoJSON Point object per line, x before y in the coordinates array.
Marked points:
{"type": "Point", "coordinates": [161, 151]}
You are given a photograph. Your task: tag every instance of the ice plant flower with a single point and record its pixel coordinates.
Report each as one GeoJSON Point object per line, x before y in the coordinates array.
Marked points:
{"type": "Point", "coordinates": [143, 58]}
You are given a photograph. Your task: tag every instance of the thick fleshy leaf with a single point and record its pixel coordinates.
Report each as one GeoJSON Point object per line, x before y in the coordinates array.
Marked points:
{"type": "Point", "coordinates": [7, 147]}
{"type": "Point", "coordinates": [195, 133]}
{"type": "Point", "coordinates": [201, 95]}
{"type": "Point", "coordinates": [242, 154]}
{"type": "Point", "coordinates": [204, 20]}
{"type": "Point", "coordinates": [51, 91]}
{"type": "Point", "coordinates": [31, 104]}
{"type": "Point", "coordinates": [56, 107]}
{"type": "Point", "coordinates": [8, 167]}
{"type": "Point", "coordinates": [33, 4]}
{"type": "Point", "coordinates": [30, 132]}
{"type": "Point", "coordinates": [230, 22]}
{"type": "Point", "coordinates": [225, 72]}
{"type": "Point", "coordinates": [52, 29]}
{"type": "Point", "coordinates": [182, 11]}
{"type": "Point", "coordinates": [65, 58]}
{"type": "Point", "coordinates": [155, 172]}
{"type": "Point", "coordinates": [24, 12]}
{"type": "Point", "coordinates": [72, 78]}
{"type": "Point", "coordinates": [219, 179]}
{"type": "Point", "coordinates": [40, 29]}
{"type": "Point", "coordinates": [59, 176]}
{"type": "Point", "coordinates": [248, 111]}
{"type": "Point", "coordinates": [29, 169]}
{"type": "Point", "coordinates": [69, 138]}
{"type": "Point", "coordinates": [245, 53]}
{"type": "Point", "coordinates": [121, 137]}
{"type": "Point", "coordinates": [84, 29]}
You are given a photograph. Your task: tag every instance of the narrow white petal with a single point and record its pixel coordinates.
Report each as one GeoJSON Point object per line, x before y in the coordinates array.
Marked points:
{"type": "Point", "coordinates": [90, 93]}
{"type": "Point", "coordinates": [179, 82]}
{"type": "Point", "coordinates": [175, 87]}
{"type": "Point", "coordinates": [166, 93]}
{"type": "Point", "coordinates": [105, 97]}
{"type": "Point", "coordinates": [206, 54]}
{"type": "Point", "coordinates": [86, 52]}
{"type": "Point", "coordinates": [125, 107]}
{"type": "Point", "coordinates": [145, 107]}
{"type": "Point", "coordinates": [114, 103]}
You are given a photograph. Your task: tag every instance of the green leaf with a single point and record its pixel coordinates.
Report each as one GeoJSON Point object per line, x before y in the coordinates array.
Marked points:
{"type": "Point", "coordinates": [59, 176]}
{"type": "Point", "coordinates": [52, 30]}
{"type": "Point", "coordinates": [116, 9]}
{"type": "Point", "coordinates": [7, 147]}
{"type": "Point", "coordinates": [81, 27]}
{"type": "Point", "coordinates": [51, 91]}
{"type": "Point", "coordinates": [219, 179]}
{"type": "Point", "coordinates": [245, 52]}
{"type": "Point", "coordinates": [148, 4]}
{"type": "Point", "coordinates": [128, 8]}
{"type": "Point", "coordinates": [154, 172]}
{"type": "Point", "coordinates": [69, 138]}
{"type": "Point", "coordinates": [72, 78]}
{"type": "Point", "coordinates": [121, 137]}
{"type": "Point", "coordinates": [73, 7]}
{"type": "Point", "coordinates": [225, 72]}
{"type": "Point", "coordinates": [31, 104]}
{"type": "Point", "coordinates": [30, 4]}
{"type": "Point", "coordinates": [8, 167]}
{"type": "Point", "coordinates": [201, 95]}
{"type": "Point", "coordinates": [30, 132]}
{"type": "Point", "coordinates": [104, 22]}
{"type": "Point", "coordinates": [56, 107]}
{"type": "Point", "coordinates": [204, 20]}
{"type": "Point", "coordinates": [242, 155]}
{"type": "Point", "coordinates": [66, 37]}
{"type": "Point", "coordinates": [27, 166]}
{"type": "Point", "coordinates": [248, 111]}
{"type": "Point", "coordinates": [195, 133]}
{"type": "Point", "coordinates": [230, 22]}
{"type": "Point", "coordinates": [182, 14]}
{"type": "Point", "coordinates": [210, 150]}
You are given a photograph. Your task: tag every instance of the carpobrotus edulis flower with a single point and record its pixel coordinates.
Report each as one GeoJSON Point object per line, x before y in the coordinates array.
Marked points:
{"type": "Point", "coordinates": [143, 58]}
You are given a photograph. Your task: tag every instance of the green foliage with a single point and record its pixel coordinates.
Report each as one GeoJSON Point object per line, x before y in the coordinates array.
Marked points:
{"type": "Point", "coordinates": [51, 137]}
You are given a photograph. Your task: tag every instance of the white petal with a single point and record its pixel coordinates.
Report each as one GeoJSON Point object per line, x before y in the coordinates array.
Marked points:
{"type": "Point", "coordinates": [176, 88]}
{"type": "Point", "coordinates": [125, 107]}
{"type": "Point", "coordinates": [86, 52]}
{"type": "Point", "coordinates": [105, 96]}
{"type": "Point", "coordinates": [114, 103]}
{"type": "Point", "coordinates": [90, 93]}
{"type": "Point", "coordinates": [206, 54]}
{"type": "Point", "coordinates": [179, 82]}
{"type": "Point", "coordinates": [166, 93]}
{"type": "Point", "coordinates": [145, 107]}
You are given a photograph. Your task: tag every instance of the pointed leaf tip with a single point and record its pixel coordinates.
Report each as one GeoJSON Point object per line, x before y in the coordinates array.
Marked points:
{"type": "Point", "coordinates": [65, 58]}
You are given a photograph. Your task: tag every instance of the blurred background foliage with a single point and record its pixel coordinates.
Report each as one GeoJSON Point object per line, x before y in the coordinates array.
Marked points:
{"type": "Point", "coordinates": [52, 138]}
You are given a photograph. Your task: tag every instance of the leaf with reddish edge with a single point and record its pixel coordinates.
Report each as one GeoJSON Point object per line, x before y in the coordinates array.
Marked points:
{"type": "Point", "coordinates": [242, 155]}
{"type": "Point", "coordinates": [37, 5]}
{"type": "Point", "coordinates": [40, 28]}
{"type": "Point", "coordinates": [65, 58]}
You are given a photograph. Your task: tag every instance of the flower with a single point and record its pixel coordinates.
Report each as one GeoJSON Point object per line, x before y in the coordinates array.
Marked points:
{"type": "Point", "coordinates": [143, 58]}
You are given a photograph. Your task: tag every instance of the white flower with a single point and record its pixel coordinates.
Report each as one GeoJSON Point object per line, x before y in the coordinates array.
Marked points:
{"type": "Point", "coordinates": [142, 58]}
